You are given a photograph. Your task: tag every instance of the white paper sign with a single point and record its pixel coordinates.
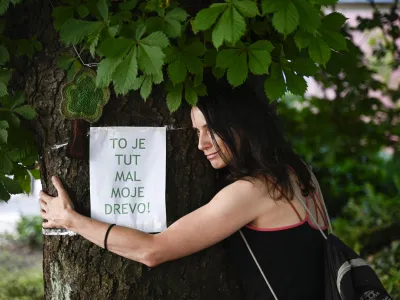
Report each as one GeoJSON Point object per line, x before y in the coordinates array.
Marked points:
{"type": "Point", "coordinates": [127, 176]}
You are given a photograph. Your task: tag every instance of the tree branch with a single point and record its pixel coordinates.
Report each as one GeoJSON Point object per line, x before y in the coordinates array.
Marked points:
{"type": "Point", "coordinates": [375, 241]}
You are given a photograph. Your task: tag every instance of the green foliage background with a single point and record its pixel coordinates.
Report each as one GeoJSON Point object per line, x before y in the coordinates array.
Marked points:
{"type": "Point", "coordinates": [135, 45]}
{"type": "Point", "coordinates": [21, 261]}
{"type": "Point", "coordinates": [18, 152]}
{"type": "Point", "coordinates": [26, 285]}
{"type": "Point", "coordinates": [352, 141]}
{"type": "Point", "coordinates": [138, 44]}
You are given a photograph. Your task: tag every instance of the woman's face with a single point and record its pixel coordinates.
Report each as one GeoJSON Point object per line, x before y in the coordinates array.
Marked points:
{"type": "Point", "coordinates": [206, 143]}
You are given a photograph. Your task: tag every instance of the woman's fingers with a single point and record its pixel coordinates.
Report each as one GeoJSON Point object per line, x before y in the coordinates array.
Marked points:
{"type": "Point", "coordinates": [46, 203]}
{"type": "Point", "coordinates": [46, 198]}
{"type": "Point", "coordinates": [43, 205]}
{"type": "Point", "coordinates": [43, 214]}
{"type": "Point", "coordinates": [49, 224]}
{"type": "Point", "coordinates": [58, 185]}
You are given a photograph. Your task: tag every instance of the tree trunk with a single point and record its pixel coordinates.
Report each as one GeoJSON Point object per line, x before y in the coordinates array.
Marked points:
{"type": "Point", "coordinates": [74, 268]}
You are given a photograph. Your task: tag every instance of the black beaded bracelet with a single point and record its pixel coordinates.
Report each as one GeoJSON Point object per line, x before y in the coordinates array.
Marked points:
{"type": "Point", "coordinates": [106, 237]}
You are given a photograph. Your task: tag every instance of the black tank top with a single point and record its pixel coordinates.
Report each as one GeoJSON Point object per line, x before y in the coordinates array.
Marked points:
{"type": "Point", "coordinates": [291, 258]}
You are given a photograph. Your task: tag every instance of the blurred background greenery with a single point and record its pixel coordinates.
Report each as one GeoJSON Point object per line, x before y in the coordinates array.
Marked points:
{"type": "Point", "coordinates": [21, 261]}
{"type": "Point", "coordinates": [350, 134]}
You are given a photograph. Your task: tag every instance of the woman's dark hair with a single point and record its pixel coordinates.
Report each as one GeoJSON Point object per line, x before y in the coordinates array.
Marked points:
{"type": "Point", "coordinates": [249, 125]}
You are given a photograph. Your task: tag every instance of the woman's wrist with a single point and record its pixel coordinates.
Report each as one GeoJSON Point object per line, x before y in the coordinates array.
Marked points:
{"type": "Point", "coordinates": [69, 219]}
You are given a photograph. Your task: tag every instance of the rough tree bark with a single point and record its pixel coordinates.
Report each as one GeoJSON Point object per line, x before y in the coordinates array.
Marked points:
{"type": "Point", "coordinates": [75, 268]}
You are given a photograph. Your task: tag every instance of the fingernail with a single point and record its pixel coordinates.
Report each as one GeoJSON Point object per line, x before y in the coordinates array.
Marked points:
{"type": "Point", "coordinates": [54, 178]}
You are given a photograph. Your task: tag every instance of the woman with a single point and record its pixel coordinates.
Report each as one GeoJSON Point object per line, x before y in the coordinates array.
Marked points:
{"type": "Point", "coordinates": [239, 131]}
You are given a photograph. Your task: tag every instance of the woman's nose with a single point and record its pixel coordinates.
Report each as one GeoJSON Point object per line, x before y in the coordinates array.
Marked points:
{"type": "Point", "coordinates": [204, 142]}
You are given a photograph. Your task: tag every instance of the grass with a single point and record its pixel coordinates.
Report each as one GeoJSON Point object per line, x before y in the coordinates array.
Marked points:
{"type": "Point", "coordinates": [21, 271]}
{"type": "Point", "coordinates": [25, 284]}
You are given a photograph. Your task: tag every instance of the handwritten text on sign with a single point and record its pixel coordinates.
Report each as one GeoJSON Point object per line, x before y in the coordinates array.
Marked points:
{"type": "Point", "coordinates": [127, 176]}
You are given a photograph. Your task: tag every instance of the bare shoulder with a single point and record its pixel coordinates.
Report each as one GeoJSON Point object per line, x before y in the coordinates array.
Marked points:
{"type": "Point", "coordinates": [247, 188]}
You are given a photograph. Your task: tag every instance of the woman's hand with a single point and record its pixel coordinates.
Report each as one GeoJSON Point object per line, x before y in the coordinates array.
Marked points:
{"type": "Point", "coordinates": [56, 210]}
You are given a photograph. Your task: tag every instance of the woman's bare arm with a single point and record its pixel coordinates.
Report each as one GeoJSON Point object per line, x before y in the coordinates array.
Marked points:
{"type": "Point", "coordinates": [232, 208]}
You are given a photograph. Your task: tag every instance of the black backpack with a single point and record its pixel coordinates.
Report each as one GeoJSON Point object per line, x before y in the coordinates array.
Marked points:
{"type": "Point", "coordinates": [347, 275]}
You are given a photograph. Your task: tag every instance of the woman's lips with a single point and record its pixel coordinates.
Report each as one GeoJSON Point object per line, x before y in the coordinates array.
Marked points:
{"type": "Point", "coordinates": [212, 156]}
